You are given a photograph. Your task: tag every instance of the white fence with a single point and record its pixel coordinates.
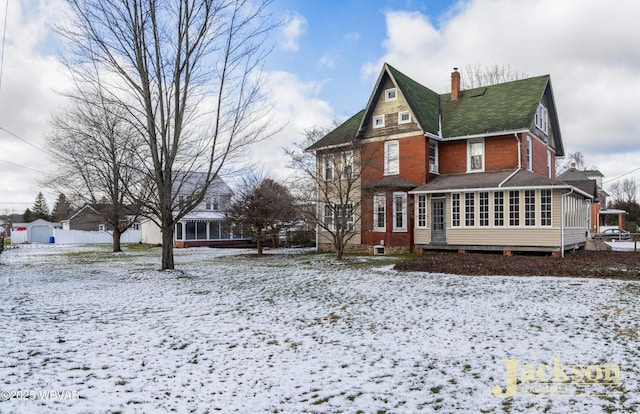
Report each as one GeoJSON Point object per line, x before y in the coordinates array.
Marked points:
{"type": "Point", "coordinates": [20, 236]}
{"type": "Point", "coordinates": [93, 237]}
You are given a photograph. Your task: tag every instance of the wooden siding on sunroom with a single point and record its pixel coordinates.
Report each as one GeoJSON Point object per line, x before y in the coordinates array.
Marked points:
{"type": "Point", "coordinates": [547, 236]}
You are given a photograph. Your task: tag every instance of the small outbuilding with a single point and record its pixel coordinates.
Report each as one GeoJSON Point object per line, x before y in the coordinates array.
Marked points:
{"type": "Point", "coordinates": [39, 231]}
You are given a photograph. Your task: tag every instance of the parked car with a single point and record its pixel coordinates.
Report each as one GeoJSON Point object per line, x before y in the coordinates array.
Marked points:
{"type": "Point", "coordinates": [612, 234]}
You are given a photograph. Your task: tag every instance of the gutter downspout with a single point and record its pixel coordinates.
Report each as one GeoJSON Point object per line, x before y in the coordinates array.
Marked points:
{"type": "Point", "coordinates": [508, 178]}
{"type": "Point", "coordinates": [562, 223]}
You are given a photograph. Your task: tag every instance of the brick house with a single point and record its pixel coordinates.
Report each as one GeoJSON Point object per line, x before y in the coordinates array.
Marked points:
{"type": "Point", "coordinates": [465, 170]}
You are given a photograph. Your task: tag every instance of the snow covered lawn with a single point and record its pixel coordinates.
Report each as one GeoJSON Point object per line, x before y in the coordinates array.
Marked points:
{"type": "Point", "coordinates": [299, 333]}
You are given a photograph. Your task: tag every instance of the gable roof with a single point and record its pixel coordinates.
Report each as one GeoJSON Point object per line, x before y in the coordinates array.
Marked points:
{"type": "Point", "coordinates": [501, 108]}
{"type": "Point", "coordinates": [342, 135]}
{"type": "Point", "coordinates": [424, 103]}
{"type": "Point", "coordinates": [505, 106]}
{"type": "Point", "coordinates": [101, 208]}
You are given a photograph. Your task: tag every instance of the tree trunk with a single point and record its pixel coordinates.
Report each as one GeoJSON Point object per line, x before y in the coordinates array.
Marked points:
{"type": "Point", "coordinates": [338, 242]}
{"type": "Point", "coordinates": [259, 246]}
{"type": "Point", "coordinates": [167, 242]}
{"type": "Point", "coordinates": [116, 239]}
{"type": "Point", "coordinates": [167, 249]}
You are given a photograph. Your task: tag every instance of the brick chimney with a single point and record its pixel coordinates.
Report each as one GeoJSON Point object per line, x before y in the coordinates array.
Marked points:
{"type": "Point", "coordinates": [455, 85]}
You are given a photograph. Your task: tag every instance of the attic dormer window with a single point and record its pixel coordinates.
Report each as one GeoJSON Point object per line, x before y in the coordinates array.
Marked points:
{"type": "Point", "coordinates": [541, 119]}
{"type": "Point", "coordinates": [390, 94]}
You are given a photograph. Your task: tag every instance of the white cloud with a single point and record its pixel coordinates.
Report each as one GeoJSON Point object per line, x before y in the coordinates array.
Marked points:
{"type": "Point", "coordinates": [31, 76]}
{"type": "Point", "coordinates": [296, 108]}
{"type": "Point", "coordinates": [328, 60]}
{"type": "Point", "coordinates": [588, 48]}
{"type": "Point", "coordinates": [294, 27]}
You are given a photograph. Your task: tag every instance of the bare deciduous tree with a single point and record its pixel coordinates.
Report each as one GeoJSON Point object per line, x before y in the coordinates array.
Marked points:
{"type": "Point", "coordinates": [188, 73]}
{"type": "Point", "coordinates": [624, 191]}
{"type": "Point", "coordinates": [572, 160]}
{"type": "Point", "coordinates": [476, 76]}
{"type": "Point", "coordinates": [93, 145]}
{"type": "Point", "coordinates": [332, 184]}
{"type": "Point", "coordinates": [262, 208]}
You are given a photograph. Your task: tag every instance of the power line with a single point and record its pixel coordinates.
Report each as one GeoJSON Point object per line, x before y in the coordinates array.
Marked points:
{"type": "Point", "coordinates": [22, 166]}
{"type": "Point", "coordinates": [622, 175]}
{"type": "Point", "coordinates": [23, 140]}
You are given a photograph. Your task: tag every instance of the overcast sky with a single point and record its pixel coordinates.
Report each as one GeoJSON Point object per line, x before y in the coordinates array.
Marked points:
{"type": "Point", "coordinates": [328, 55]}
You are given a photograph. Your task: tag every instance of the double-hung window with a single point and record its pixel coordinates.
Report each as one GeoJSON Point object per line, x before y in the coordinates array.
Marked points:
{"type": "Point", "coordinates": [399, 211]}
{"type": "Point", "coordinates": [391, 158]}
{"type": "Point", "coordinates": [211, 203]}
{"type": "Point", "coordinates": [347, 164]}
{"type": "Point", "coordinates": [542, 119]}
{"type": "Point", "coordinates": [329, 217]}
{"type": "Point", "coordinates": [379, 212]}
{"type": "Point", "coordinates": [433, 157]}
{"type": "Point", "coordinates": [475, 159]}
{"type": "Point", "coordinates": [328, 166]}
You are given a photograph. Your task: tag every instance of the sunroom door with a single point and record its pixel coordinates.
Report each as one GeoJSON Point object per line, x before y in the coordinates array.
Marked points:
{"type": "Point", "coordinates": [438, 228]}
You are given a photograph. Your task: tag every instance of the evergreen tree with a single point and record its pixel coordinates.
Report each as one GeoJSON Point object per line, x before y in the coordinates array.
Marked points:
{"type": "Point", "coordinates": [28, 216]}
{"type": "Point", "coordinates": [61, 209]}
{"type": "Point", "coordinates": [40, 208]}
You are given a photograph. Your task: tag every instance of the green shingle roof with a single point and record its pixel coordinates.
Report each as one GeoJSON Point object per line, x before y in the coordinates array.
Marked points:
{"type": "Point", "coordinates": [424, 103]}
{"type": "Point", "coordinates": [508, 106]}
{"type": "Point", "coordinates": [502, 107]}
{"type": "Point", "coordinates": [343, 134]}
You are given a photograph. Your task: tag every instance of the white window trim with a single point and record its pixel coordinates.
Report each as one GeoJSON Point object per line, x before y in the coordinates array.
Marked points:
{"type": "Point", "coordinates": [420, 197]}
{"type": "Point", "coordinates": [542, 119]}
{"type": "Point", "coordinates": [529, 154]}
{"type": "Point", "coordinates": [387, 170]}
{"type": "Point", "coordinates": [463, 202]}
{"type": "Point", "coordinates": [378, 117]}
{"type": "Point", "coordinates": [460, 217]}
{"type": "Point", "coordinates": [346, 159]}
{"type": "Point", "coordinates": [400, 121]}
{"type": "Point", "coordinates": [542, 220]}
{"type": "Point", "coordinates": [536, 203]}
{"type": "Point", "coordinates": [549, 169]}
{"type": "Point", "coordinates": [493, 209]}
{"type": "Point", "coordinates": [376, 199]}
{"type": "Point", "coordinates": [402, 228]}
{"type": "Point", "coordinates": [433, 168]}
{"type": "Point", "coordinates": [388, 92]}
{"type": "Point", "coordinates": [469, 144]}
{"type": "Point", "coordinates": [330, 209]}
{"type": "Point", "coordinates": [328, 161]}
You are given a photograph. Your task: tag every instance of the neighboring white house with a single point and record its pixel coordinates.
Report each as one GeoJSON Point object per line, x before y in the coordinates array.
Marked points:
{"type": "Point", "coordinates": [39, 231]}
{"type": "Point", "coordinates": [205, 225]}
